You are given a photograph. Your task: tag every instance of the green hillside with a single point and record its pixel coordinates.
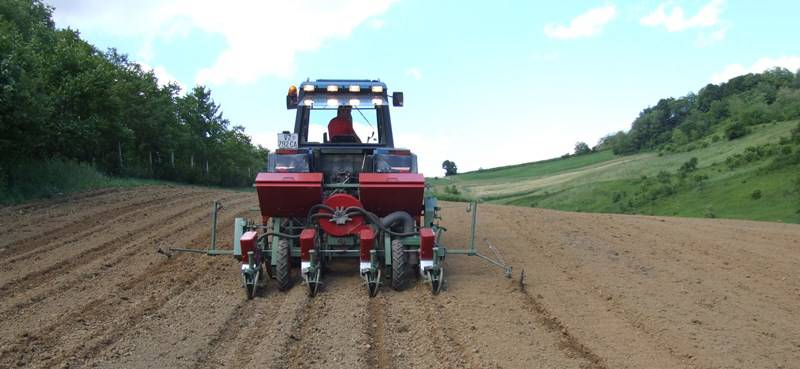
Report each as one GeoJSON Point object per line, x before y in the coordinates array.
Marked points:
{"type": "Point", "coordinates": [730, 150]}
{"type": "Point", "coordinates": [753, 177]}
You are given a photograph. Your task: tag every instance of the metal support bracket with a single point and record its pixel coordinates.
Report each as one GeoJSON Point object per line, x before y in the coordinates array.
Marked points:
{"type": "Point", "coordinates": [211, 251]}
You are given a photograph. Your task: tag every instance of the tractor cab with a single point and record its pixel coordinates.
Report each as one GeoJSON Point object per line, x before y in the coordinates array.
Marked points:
{"type": "Point", "coordinates": [315, 145]}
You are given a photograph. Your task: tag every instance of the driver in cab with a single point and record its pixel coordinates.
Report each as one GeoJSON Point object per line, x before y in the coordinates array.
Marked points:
{"type": "Point", "coordinates": [340, 128]}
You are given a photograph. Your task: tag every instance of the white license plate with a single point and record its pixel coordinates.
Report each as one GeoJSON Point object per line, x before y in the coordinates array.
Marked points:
{"type": "Point", "coordinates": [287, 140]}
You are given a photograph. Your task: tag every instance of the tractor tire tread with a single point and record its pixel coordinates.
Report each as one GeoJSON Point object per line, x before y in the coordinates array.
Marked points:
{"type": "Point", "coordinates": [400, 270]}
{"type": "Point", "coordinates": [283, 266]}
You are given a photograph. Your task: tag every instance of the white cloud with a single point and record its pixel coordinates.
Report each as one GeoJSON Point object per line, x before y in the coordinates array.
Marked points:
{"type": "Point", "coordinates": [162, 75]}
{"type": "Point", "coordinates": [377, 23]}
{"type": "Point", "coordinates": [585, 25]}
{"type": "Point", "coordinates": [674, 19]}
{"type": "Point", "coordinates": [262, 38]}
{"type": "Point", "coordinates": [414, 73]}
{"type": "Point", "coordinates": [710, 38]}
{"type": "Point", "coordinates": [791, 63]}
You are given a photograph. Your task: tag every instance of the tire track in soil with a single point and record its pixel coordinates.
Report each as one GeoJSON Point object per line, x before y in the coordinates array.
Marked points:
{"type": "Point", "coordinates": [113, 324]}
{"type": "Point", "coordinates": [377, 353]}
{"type": "Point", "coordinates": [250, 326]}
{"type": "Point", "coordinates": [418, 333]}
{"type": "Point", "coordinates": [179, 334]}
{"type": "Point", "coordinates": [568, 342]}
{"type": "Point", "coordinates": [269, 341]}
{"type": "Point", "coordinates": [299, 332]}
{"type": "Point", "coordinates": [40, 277]}
{"type": "Point", "coordinates": [331, 329]}
{"type": "Point", "coordinates": [108, 267]}
{"type": "Point", "coordinates": [230, 329]}
{"type": "Point", "coordinates": [81, 228]}
{"type": "Point", "coordinates": [246, 327]}
{"type": "Point", "coordinates": [449, 352]}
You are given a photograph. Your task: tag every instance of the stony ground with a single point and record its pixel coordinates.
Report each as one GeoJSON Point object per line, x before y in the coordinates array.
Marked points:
{"type": "Point", "coordinates": [82, 286]}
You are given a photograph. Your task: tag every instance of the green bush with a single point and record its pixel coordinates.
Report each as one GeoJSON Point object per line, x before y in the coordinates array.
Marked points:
{"type": "Point", "coordinates": [755, 195]}
{"type": "Point", "coordinates": [688, 167]}
{"type": "Point", "coordinates": [43, 179]}
{"type": "Point", "coordinates": [709, 213]}
{"type": "Point", "coordinates": [736, 130]}
{"type": "Point", "coordinates": [452, 190]}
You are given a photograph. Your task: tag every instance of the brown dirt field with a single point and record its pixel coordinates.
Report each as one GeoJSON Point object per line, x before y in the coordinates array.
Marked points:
{"type": "Point", "coordinates": [82, 286]}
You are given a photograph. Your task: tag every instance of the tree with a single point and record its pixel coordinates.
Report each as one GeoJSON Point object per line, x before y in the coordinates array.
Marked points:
{"type": "Point", "coordinates": [582, 148]}
{"type": "Point", "coordinates": [449, 167]}
{"type": "Point", "coordinates": [62, 98]}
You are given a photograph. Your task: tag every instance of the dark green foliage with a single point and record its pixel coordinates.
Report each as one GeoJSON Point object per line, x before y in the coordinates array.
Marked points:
{"type": "Point", "coordinates": [29, 179]}
{"type": "Point", "coordinates": [688, 167]}
{"type": "Point", "coordinates": [582, 148]}
{"type": "Point", "coordinates": [452, 189]}
{"type": "Point", "coordinates": [736, 105]}
{"type": "Point", "coordinates": [450, 168]}
{"type": "Point", "coordinates": [709, 213]}
{"type": "Point", "coordinates": [736, 130]}
{"type": "Point", "coordinates": [61, 98]}
{"type": "Point", "coordinates": [755, 195]}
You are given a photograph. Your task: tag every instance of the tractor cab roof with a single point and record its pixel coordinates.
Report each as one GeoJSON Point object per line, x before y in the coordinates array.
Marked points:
{"type": "Point", "coordinates": [370, 102]}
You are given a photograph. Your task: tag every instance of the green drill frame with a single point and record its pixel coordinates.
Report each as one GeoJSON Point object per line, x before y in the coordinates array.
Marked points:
{"type": "Point", "coordinates": [347, 247]}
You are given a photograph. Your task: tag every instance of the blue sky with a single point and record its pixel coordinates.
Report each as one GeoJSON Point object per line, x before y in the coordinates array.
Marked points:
{"type": "Point", "coordinates": [486, 83]}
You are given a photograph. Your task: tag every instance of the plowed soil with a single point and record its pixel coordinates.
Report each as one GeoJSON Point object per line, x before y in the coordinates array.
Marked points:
{"type": "Point", "coordinates": [81, 285]}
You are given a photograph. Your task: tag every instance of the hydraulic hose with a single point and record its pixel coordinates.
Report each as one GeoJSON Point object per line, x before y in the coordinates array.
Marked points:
{"type": "Point", "coordinates": [399, 216]}
{"type": "Point", "coordinates": [376, 221]}
{"type": "Point", "coordinates": [279, 234]}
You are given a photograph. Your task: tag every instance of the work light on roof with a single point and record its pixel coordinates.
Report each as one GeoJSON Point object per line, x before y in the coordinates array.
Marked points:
{"type": "Point", "coordinates": [333, 88]}
{"type": "Point", "coordinates": [355, 88]}
{"type": "Point", "coordinates": [333, 102]}
{"type": "Point", "coordinates": [308, 102]}
{"type": "Point", "coordinates": [308, 88]}
{"type": "Point", "coordinates": [377, 101]}
{"type": "Point", "coordinates": [355, 102]}
{"type": "Point", "coordinates": [377, 89]}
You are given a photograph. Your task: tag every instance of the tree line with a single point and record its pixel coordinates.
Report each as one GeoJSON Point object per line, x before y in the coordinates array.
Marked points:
{"type": "Point", "coordinates": [741, 102]}
{"type": "Point", "coordinates": [62, 98]}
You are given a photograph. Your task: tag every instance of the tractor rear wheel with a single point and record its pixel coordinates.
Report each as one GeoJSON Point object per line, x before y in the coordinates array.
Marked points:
{"type": "Point", "coordinates": [282, 266]}
{"type": "Point", "coordinates": [399, 266]}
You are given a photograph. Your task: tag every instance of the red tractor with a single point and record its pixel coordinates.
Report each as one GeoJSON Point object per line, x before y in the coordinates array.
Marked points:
{"type": "Point", "coordinates": [337, 187]}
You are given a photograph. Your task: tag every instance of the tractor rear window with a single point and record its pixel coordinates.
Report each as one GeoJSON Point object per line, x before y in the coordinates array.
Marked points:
{"type": "Point", "coordinates": [365, 123]}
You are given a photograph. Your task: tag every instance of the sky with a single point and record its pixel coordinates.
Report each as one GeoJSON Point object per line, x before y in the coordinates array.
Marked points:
{"type": "Point", "coordinates": [486, 83]}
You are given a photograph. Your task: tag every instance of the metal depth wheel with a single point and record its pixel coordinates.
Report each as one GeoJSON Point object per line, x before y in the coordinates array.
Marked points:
{"type": "Point", "coordinates": [374, 282]}
{"type": "Point", "coordinates": [400, 266]}
{"type": "Point", "coordinates": [282, 266]}
{"type": "Point", "coordinates": [251, 283]}
{"type": "Point", "coordinates": [313, 282]}
{"type": "Point", "coordinates": [437, 280]}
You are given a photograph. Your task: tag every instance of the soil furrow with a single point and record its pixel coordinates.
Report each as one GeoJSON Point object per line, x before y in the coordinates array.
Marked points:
{"type": "Point", "coordinates": [553, 324]}
{"type": "Point", "coordinates": [86, 227]}
{"type": "Point", "coordinates": [40, 209]}
{"type": "Point", "coordinates": [378, 352]}
{"type": "Point", "coordinates": [113, 319]}
{"type": "Point", "coordinates": [36, 277]}
{"type": "Point", "coordinates": [40, 292]}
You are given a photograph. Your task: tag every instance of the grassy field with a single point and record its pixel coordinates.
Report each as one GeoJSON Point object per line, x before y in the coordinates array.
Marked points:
{"type": "Point", "coordinates": [603, 182]}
